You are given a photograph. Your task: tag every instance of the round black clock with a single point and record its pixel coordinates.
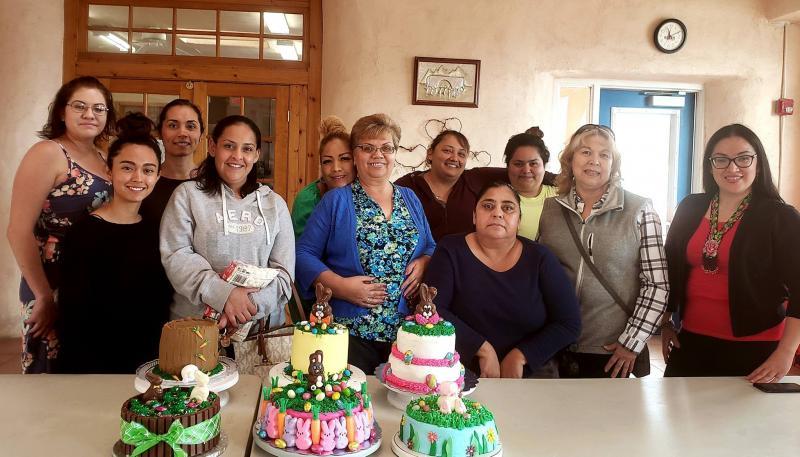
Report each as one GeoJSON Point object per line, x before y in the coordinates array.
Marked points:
{"type": "Point", "coordinates": [670, 36]}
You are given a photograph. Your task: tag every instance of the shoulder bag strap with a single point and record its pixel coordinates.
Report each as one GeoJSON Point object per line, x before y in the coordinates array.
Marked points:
{"type": "Point", "coordinates": [588, 260]}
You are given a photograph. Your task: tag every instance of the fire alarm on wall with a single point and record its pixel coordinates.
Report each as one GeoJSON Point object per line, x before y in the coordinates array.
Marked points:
{"type": "Point", "coordinates": [784, 107]}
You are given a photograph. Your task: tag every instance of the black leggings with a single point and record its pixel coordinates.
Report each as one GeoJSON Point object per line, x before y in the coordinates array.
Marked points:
{"type": "Point", "coordinates": [701, 355]}
{"type": "Point", "coordinates": [366, 354]}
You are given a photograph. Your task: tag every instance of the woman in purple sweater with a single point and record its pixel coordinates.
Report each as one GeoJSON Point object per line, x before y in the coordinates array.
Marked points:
{"type": "Point", "coordinates": [509, 298]}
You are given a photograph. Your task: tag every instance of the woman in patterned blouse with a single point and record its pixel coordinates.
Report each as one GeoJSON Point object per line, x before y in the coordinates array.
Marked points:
{"type": "Point", "coordinates": [59, 181]}
{"type": "Point", "coordinates": [370, 243]}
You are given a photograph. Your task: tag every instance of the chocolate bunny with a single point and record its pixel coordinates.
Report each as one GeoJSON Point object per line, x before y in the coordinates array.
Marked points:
{"type": "Point", "coordinates": [316, 372]}
{"type": "Point", "coordinates": [425, 313]}
{"type": "Point", "coordinates": [153, 392]}
{"type": "Point", "coordinates": [321, 310]}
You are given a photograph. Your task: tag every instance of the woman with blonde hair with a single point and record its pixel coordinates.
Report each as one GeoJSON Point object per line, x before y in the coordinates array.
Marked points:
{"type": "Point", "coordinates": [336, 170]}
{"type": "Point", "coordinates": [370, 243]}
{"type": "Point", "coordinates": [609, 241]}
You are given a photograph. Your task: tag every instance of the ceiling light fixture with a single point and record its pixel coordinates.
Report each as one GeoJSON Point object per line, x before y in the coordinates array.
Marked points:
{"type": "Point", "coordinates": [276, 23]}
{"type": "Point", "coordinates": [287, 50]}
{"type": "Point", "coordinates": [114, 40]}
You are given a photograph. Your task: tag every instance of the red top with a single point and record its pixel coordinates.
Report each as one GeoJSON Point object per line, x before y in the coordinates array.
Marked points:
{"type": "Point", "coordinates": [707, 308]}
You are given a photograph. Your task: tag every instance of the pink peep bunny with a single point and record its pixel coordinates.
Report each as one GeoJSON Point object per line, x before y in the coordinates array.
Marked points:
{"type": "Point", "coordinates": [341, 433]}
{"type": "Point", "coordinates": [367, 425]}
{"type": "Point", "coordinates": [272, 421]}
{"type": "Point", "coordinates": [328, 439]}
{"type": "Point", "coordinates": [289, 431]}
{"type": "Point", "coordinates": [360, 432]}
{"type": "Point", "coordinates": [303, 436]}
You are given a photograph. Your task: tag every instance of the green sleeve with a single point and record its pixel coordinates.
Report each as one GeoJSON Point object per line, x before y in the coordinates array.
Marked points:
{"type": "Point", "coordinates": [304, 204]}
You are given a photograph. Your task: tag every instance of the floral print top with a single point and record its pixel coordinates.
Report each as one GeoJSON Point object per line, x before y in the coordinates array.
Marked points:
{"type": "Point", "coordinates": [385, 248]}
{"type": "Point", "coordinates": [67, 203]}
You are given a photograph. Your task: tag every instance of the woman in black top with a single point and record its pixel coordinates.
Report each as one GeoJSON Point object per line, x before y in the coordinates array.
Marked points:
{"type": "Point", "coordinates": [180, 126]}
{"type": "Point", "coordinates": [114, 296]}
{"type": "Point", "coordinates": [734, 269]}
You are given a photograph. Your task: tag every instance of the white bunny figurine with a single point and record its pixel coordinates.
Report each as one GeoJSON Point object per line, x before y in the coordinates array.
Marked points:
{"type": "Point", "coordinates": [200, 391]}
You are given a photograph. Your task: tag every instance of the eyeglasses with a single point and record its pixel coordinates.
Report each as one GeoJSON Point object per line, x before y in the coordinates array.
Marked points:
{"type": "Point", "coordinates": [587, 127]}
{"type": "Point", "coordinates": [721, 163]}
{"type": "Point", "coordinates": [371, 148]}
{"type": "Point", "coordinates": [81, 107]}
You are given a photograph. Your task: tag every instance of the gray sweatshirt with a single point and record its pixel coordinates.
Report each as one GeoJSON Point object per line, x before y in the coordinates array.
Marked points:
{"type": "Point", "coordinates": [201, 234]}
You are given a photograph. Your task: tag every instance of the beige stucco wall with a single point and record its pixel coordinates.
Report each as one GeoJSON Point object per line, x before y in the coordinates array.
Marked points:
{"type": "Point", "coordinates": [790, 162]}
{"type": "Point", "coordinates": [369, 48]}
{"type": "Point", "coordinates": [31, 44]}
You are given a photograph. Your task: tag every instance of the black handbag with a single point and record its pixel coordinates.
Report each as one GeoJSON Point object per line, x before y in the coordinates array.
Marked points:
{"type": "Point", "coordinates": [567, 361]}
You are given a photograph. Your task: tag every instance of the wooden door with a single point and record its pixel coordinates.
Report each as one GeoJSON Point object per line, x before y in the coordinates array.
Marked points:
{"type": "Point", "coordinates": [267, 105]}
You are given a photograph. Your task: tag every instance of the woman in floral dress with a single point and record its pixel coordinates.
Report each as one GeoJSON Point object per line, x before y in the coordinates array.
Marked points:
{"type": "Point", "coordinates": [59, 181]}
{"type": "Point", "coordinates": [370, 243]}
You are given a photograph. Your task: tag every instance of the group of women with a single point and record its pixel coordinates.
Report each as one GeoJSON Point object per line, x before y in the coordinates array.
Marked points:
{"type": "Point", "coordinates": [542, 276]}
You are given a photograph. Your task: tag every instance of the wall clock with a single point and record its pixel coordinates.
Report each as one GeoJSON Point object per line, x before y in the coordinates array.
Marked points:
{"type": "Point", "coordinates": [670, 36]}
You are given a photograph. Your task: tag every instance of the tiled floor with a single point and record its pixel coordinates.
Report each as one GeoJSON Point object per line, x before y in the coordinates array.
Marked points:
{"type": "Point", "coordinates": [10, 362]}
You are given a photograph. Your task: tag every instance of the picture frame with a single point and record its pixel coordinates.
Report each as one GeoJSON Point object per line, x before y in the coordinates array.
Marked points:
{"type": "Point", "coordinates": [446, 82]}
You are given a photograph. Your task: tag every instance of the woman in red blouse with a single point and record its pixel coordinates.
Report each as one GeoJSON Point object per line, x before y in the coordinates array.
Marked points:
{"type": "Point", "coordinates": [734, 262]}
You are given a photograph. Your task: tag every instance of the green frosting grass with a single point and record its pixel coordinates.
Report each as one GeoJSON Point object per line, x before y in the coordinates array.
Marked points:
{"type": "Point", "coordinates": [164, 375]}
{"type": "Point", "coordinates": [478, 415]}
{"type": "Point", "coordinates": [443, 328]}
{"type": "Point", "coordinates": [326, 405]}
{"type": "Point", "coordinates": [175, 402]}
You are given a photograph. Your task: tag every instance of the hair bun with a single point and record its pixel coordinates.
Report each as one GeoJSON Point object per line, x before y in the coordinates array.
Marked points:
{"type": "Point", "coordinates": [135, 125]}
{"type": "Point", "coordinates": [331, 125]}
{"type": "Point", "coordinates": [535, 131]}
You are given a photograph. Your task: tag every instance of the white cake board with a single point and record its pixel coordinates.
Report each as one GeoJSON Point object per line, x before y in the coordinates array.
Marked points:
{"type": "Point", "coordinates": [216, 451]}
{"type": "Point", "coordinates": [278, 452]}
{"type": "Point", "coordinates": [399, 448]}
{"type": "Point", "coordinates": [356, 376]}
{"type": "Point", "coordinates": [218, 383]}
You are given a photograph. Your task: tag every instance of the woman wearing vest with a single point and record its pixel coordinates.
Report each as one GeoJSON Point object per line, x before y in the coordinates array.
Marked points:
{"type": "Point", "coordinates": [609, 242]}
{"type": "Point", "coordinates": [734, 269]}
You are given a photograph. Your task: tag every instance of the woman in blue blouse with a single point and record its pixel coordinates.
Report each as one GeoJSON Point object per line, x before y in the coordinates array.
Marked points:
{"type": "Point", "coordinates": [509, 298]}
{"type": "Point", "coordinates": [370, 243]}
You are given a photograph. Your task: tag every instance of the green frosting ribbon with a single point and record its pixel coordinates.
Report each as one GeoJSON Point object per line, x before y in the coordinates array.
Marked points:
{"type": "Point", "coordinates": [136, 434]}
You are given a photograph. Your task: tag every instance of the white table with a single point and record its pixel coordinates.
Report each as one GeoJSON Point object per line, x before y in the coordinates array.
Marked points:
{"type": "Point", "coordinates": [670, 417]}
{"type": "Point", "coordinates": [79, 415]}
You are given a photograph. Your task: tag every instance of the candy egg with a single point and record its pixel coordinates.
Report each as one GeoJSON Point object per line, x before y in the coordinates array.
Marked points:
{"type": "Point", "coordinates": [426, 408]}
{"type": "Point", "coordinates": [291, 394]}
{"type": "Point", "coordinates": [280, 444]}
{"type": "Point", "coordinates": [337, 388]}
{"type": "Point", "coordinates": [317, 392]}
{"type": "Point", "coordinates": [324, 326]}
{"type": "Point", "coordinates": [334, 377]}
{"type": "Point", "coordinates": [347, 372]}
{"type": "Point", "coordinates": [336, 395]}
{"type": "Point", "coordinates": [331, 331]}
{"type": "Point", "coordinates": [300, 390]}
{"type": "Point", "coordinates": [307, 407]}
{"type": "Point", "coordinates": [277, 390]}
{"type": "Point", "coordinates": [353, 446]}
{"type": "Point", "coordinates": [320, 396]}
{"type": "Point", "coordinates": [306, 395]}
{"type": "Point", "coordinates": [428, 325]}
{"type": "Point", "coordinates": [328, 388]}
{"type": "Point", "coordinates": [314, 330]}
{"type": "Point", "coordinates": [430, 381]}
{"type": "Point", "coordinates": [422, 402]}
{"type": "Point", "coordinates": [415, 407]}
{"type": "Point", "coordinates": [466, 416]}
{"type": "Point", "coordinates": [262, 434]}
{"type": "Point", "coordinates": [347, 392]}
{"type": "Point", "coordinates": [307, 328]}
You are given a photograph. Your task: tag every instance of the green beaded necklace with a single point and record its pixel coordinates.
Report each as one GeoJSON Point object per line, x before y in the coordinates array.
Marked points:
{"type": "Point", "coordinates": [711, 246]}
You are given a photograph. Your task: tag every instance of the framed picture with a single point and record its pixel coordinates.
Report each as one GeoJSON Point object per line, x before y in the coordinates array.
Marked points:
{"type": "Point", "coordinates": [446, 82]}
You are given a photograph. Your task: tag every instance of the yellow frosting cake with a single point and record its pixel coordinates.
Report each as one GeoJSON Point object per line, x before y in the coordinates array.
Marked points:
{"type": "Point", "coordinates": [331, 340]}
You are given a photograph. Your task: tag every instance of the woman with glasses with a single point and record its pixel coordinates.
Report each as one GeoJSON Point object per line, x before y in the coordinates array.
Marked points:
{"type": "Point", "coordinates": [609, 242]}
{"type": "Point", "coordinates": [180, 126]}
{"type": "Point", "coordinates": [370, 243]}
{"type": "Point", "coordinates": [734, 269]}
{"type": "Point", "coordinates": [526, 156]}
{"type": "Point", "coordinates": [511, 302]}
{"type": "Point", "coordinates": [59, 181]}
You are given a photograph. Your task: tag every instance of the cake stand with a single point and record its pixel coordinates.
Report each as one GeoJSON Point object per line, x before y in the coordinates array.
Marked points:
{"type": "Point", "coordinates": [218, 383]}
{"type": "Point", "coordinates": [399, 448]}
{"type": "Point", "coordinates": [216, 451]}
{"type": "Point", "coordinates": [278, 452]}
{"type": "Point", "coordinates": [356, 375]}
{"type": "Point", "coordinates": [400, 398]}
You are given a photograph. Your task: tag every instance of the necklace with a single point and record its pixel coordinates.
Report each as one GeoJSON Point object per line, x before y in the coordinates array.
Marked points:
{"type": "Point", "coordinates": [711, 246]}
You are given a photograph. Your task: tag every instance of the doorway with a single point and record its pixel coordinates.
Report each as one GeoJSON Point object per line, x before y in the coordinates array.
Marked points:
{"type": "Point", "coordinates": [266, 105]}
{"type": "Point", "coordinates": [655, 135]}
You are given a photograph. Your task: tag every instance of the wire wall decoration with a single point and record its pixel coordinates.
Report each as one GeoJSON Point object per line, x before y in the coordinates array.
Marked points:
{"type": "Point", "coordinates": [413, 157]}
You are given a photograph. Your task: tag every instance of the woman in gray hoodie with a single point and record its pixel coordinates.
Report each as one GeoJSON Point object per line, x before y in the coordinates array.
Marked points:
{"type": "Point", "coordinates": [226, 215]}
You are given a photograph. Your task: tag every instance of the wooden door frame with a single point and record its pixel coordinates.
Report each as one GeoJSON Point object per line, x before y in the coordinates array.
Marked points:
{"type": "Point", "coordinates": [304, 82]}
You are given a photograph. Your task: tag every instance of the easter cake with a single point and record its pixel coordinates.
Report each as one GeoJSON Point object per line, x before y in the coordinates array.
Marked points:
{"type": "Point", "coordinates": [317, 416]}
{"type": "Point", "coordinates": [447, 425]}
{"type": "Point", "coordinates": [172, 421]}
{"type": "Point", "coordinates": [188, 342]}
{"type": "Point", "coordinates": [319, 333]}
{"type": "Point", "coordinates": [424, 355]}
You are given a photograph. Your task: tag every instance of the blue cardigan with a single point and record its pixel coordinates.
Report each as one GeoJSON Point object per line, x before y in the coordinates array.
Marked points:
{"type": "Point", "coordinates": [329, 243]}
